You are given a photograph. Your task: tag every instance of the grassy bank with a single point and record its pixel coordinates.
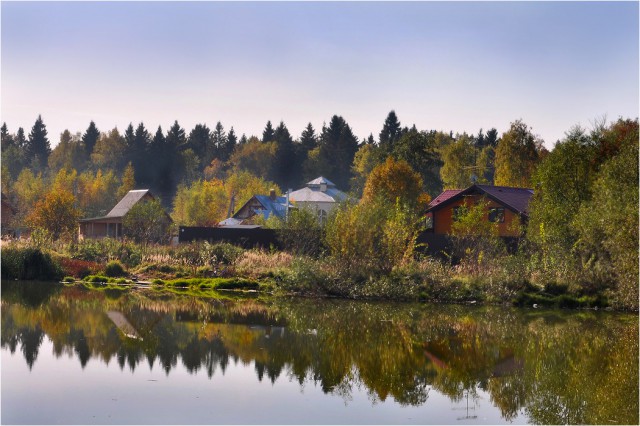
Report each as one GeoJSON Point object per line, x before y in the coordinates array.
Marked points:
{"type": "Point", "coordinates": [202, 268]}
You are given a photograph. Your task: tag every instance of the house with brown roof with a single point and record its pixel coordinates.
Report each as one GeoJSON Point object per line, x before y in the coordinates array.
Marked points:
{"type": "Point", "coordinates": [505, 206]}
{"type": "Point", "coordinates": [111, 224]}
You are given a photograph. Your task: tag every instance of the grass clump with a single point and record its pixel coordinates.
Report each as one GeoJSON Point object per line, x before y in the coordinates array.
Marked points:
{"type": "Point", "coordinates": [114, 269]}
{"type": "Point", "coordinates": [214, 283]}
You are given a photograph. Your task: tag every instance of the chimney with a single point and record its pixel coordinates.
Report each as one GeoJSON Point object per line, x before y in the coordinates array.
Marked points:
{"type": "Point", "coordinates": [272, 194]}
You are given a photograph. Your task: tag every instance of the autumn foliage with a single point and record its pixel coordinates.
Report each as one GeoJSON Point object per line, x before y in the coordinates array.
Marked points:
{"type": "Point", "coordinates": [56, 213]}
{"type": "Point", "coordinates": [393, 181]}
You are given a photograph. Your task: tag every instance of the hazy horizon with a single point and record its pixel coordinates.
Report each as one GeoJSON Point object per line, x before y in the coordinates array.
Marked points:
{"type": "Point", "coordinates": [441, 66]}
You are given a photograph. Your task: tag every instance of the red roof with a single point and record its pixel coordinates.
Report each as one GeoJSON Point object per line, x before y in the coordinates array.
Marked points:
{"type": "Point", "coordinates": [448, 193]}
{"type": "Point", "coordinates": [516, 199]}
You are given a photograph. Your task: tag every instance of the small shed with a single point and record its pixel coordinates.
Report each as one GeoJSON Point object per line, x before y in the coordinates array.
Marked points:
{"type": "Point", "coordinates": [111, 224]}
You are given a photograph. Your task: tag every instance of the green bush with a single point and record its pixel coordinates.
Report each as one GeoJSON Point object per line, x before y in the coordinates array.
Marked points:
{"type": "Point", "coordinates": [114, 269]}
{"type": "Point", "coordinates": [29, 263]}
{"type": "Point", "coordinates": [68, 280]}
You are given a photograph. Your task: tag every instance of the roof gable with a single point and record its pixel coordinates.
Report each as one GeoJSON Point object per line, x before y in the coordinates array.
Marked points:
{"type": "Point", "coordinates": [270, 206]}
{"type": "Point", "coordinates": [444, 196]}
{"type": "Point", "coordinates": [128, 201]}
{"type": "Point", "coordinates": [517, 199]}
{"type": "Point", "coordinates": [319, 181]}
{"type": "Point", "coordinates": [315, 195]}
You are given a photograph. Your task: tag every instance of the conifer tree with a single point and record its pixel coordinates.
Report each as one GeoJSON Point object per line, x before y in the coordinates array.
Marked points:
{"type": "Point", "coordinates": [6, 140]}
{"type": "Point", "coordinates": [90, 138]}
{"type": "Point", "coordinates": [391, 131]}
{"type": "Point", "coordinates": [243, 139]}
{"type": "Point", "coordinates": [129, 139]}
{"type": "Point", "coordinates": [38, 146]}
{"type": "Point", "coordinates": [201, 143]}
{"type": "Point", "coordinates": [338, 147]}
{"type": "Point", "coordinates": [139, 152]}
{"type": "Point", "coordinates": [230, 145]}
{"type": "Point", "coordinates": [268, 134]}
{"type": "Point", "coordinates": [308, 139]}
{"type": "Point", "coordinates": [285, 172]}
{"type": "Point", "coordinates": [219, 140]}
{"type": "Point", "coordinates": [21, 140]}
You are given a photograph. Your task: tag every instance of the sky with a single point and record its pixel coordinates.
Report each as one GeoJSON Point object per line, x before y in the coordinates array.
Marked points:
{"type": "Point", "coordinates": [450, 66]}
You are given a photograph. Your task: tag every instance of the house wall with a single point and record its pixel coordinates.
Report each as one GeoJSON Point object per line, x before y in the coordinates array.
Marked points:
{"type": "Point", "coordinates": [315, 206]}
{"type": "Point", "coordinates": [97, 230]}
{"type": "Point", "coordinates": [443, 218]}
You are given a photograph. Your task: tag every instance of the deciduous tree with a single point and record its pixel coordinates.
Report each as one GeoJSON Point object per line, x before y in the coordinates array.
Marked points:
{"type": "Point", "coordinates": [56, 213]}
{"type": "Point", "coordinates": [147, 222]}
{"type": "Point", "coordinates": [394, 181]}
{"type": "Point", "coordinates": [517, 155]}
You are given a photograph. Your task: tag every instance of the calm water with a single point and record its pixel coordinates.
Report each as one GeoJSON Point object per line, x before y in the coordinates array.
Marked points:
{"type": "Point", "coordinates": [71, 355]}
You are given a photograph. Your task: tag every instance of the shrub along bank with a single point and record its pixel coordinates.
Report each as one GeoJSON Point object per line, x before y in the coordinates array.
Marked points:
{"type": "Point", "coordinates": [203, 267]}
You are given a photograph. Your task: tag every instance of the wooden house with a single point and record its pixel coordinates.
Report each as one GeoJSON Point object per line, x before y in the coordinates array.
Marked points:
{"type": "Point", "coordinates": [505, 206]}
{"type": "Point", "coordinates": [111, 224]}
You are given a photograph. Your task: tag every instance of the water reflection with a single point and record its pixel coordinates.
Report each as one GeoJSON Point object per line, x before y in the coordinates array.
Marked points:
{"type": "Point", "coordinates": [555, 367]}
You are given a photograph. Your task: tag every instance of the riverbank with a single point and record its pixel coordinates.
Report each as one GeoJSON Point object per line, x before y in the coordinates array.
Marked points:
{"type": "Point", "coordinates": [203, 268]}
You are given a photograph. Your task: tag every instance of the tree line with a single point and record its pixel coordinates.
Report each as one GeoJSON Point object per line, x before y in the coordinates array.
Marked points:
{"type": "Point", "coordinates": [165, 162]}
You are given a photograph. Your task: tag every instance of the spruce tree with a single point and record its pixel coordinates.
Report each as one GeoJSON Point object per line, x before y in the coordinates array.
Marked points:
{"type": "Point", "coordinates": [230, 146]}
{"type": "Point", "coordinates": [139, 152]}
{"type": "Point", "coordinates": [21, 140]}
{"type": "Point", "coordinates": [285, 170]}
{"type": "Point", "coordinates": [90, 138]}
{"type": "Point", "coordinates": [391, 131]}
{"type": "Point", "coordinates": [219, 140]}
{"type": "Point", "coordinates": [492, 138]}
{"type": "Point", "coordinates": [6, 140]}
{"type": "Point", "coordinates": [129, 139]}
{"type": "Point", "coordinates": [338, 147]}
{"type": "Point", "coordinates": [200, 142]}
{"type": "Point", "coordinates": [308, 138]}
{"type": "Point", "coordinates": [38, 146]}
{"type": "Point", "coordinates": [267, 135]}
{"type": "Point", "coordinates": [243, 139]}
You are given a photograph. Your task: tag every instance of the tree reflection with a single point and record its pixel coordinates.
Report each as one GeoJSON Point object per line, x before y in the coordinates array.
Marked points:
{"type": "Point", "coordinates": [557, 367]}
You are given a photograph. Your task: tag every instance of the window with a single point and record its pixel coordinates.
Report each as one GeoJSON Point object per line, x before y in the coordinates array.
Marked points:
{"type": "Point", "coordinates": [496, 214]}
{"type": "Point", "coordinates": [322, 216]}
{"type": "Point", "coordinates": [428, 221]}
{"type": "Point", "coordinates": [458, 212]}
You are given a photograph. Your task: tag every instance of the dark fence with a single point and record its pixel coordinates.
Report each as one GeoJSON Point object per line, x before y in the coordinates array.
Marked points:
{"type": "Point", "coordinates": [440, 245]}
{"type": "Point", "coordinates": [243, 237]}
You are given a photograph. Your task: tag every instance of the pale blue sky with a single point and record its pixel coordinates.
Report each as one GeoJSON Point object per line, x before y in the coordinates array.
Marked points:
{"type": "Point", "coordinates": [447, 66]}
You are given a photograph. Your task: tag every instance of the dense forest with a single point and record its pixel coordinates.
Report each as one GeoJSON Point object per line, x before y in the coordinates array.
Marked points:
{"type": "Point", "coordinates": [197, 173]}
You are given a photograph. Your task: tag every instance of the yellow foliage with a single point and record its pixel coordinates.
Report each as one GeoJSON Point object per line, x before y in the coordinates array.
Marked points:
{"type": "Point", "coordinates": [393, 181]}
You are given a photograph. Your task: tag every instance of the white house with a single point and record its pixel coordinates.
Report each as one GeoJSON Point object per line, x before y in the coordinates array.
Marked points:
{"type": "Point", "coordinates": [320, 195]}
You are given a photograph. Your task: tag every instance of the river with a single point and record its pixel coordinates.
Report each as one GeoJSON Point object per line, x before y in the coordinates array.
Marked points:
{"type": "Point", "coordinates": [71, 355]}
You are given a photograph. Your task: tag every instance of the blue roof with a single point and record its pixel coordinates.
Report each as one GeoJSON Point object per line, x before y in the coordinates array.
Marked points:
{"type": "Point", "coordinates": [277, 206]}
